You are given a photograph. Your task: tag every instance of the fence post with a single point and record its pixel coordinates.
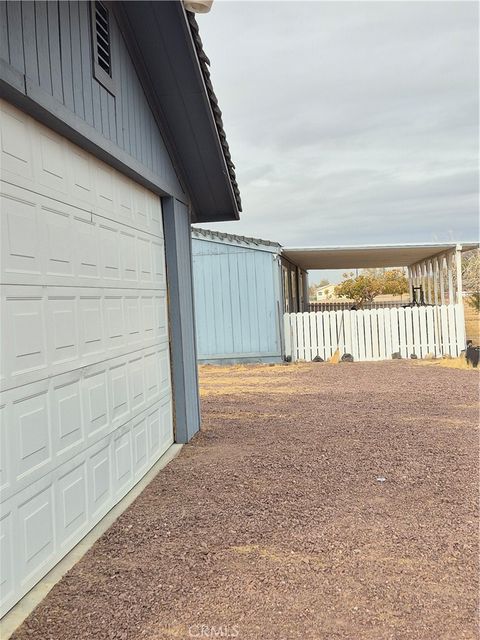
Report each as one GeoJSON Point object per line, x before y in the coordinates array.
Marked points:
{"type": "Point", "coordinates": [460, 327]}
{"type": "Point", "coordinates": [287, 334]}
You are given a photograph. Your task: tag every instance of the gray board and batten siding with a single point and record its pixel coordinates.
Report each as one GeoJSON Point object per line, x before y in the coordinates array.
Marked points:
{"type": "Point", "coordinates": [49, 49]}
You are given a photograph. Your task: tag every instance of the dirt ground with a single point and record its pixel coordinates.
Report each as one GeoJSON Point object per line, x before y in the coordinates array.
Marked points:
{"type": "Point", "coordinates": [275, 523]}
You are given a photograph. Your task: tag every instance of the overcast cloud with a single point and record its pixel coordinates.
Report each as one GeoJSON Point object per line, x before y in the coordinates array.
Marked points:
{"type": "Point", "coordinates": [349, 122]}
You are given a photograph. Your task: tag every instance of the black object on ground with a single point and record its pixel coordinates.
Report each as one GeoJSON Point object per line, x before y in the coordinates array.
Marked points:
{"type": "Point", "coordinates": [472, 354]}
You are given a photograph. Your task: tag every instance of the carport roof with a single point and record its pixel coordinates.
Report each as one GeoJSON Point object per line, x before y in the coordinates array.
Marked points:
{"type": "Point", "coordinates": [368, 256]}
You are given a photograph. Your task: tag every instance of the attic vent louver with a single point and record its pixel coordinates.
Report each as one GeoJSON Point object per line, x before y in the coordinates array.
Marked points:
{"type": "Point", "coordinates": [102, 45]}
{"type": "Point", "coordinates": [102, 32]}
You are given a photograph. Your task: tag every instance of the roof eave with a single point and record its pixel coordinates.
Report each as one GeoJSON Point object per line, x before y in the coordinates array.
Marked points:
{"type": "Point", "coordinates": [171, 57]}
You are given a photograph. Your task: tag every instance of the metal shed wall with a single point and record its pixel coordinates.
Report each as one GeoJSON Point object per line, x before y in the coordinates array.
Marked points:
{"type": "Point", "coordinates": [237, 302]}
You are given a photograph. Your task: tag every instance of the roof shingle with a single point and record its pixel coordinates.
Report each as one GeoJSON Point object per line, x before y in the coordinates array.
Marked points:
{"type": "Point", "coordinates": [217, 114]}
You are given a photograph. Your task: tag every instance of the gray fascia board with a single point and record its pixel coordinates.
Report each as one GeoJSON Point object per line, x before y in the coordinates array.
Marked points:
{"type": "Point", "coordinates": [177, 84]}
{"type": "Point", "coordinates": [208, 107]}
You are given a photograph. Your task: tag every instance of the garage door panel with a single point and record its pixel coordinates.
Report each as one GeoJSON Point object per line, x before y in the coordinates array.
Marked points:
{"type": "Point", "coordinates": [80, 176]}
{"type": "Point", "coordinates": [60, 241]}
{"type": "Point", "coordinates": [32, 446]}
{"type": "Point", "coordinates": [67, 424]}
{"type": "Point", "coordinates": [24, 345]}
{"type": "Point", "coordinates": [71, 505]}
{"type": "Point", "coordinates": [123, 461]}
{"type": "Point", "coordinates": [140, 451]}
{"type": "Point", "coordinates": [5, 458]}
{"type": "Point", "coordinates": [61, 329]}
{"type": "Point", "coordinates": [36, 532]}
{"type": "Point", "coordinates": [100, 481]}
{"type": "Point", "coordinates": [7, 577]}
{"type": "Point", "coordinates": [16, 145]}
{"type": "Point", "coordinates": [21, 253]}
{"type": "Point", "coordinates": [51, 162]}
{"type": "Point", "coordinates": [95, 404]}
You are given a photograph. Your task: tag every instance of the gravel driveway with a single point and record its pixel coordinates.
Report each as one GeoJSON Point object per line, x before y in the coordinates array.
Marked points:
{"type": "Point", "coordinates": [274, 523]}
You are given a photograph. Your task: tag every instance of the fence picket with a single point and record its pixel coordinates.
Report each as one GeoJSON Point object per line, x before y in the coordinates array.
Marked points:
{"type": "Point", "coordinates": [313, 335]}
{"type": "Point", "coordinates": [354, 335]}
{"type": "Point", "coordinates": [300, 337]}
{"type": "Point", "coordinates": [382, 331]}
{"type": "Point", "coordinates": [431, 342]}
{"type": "Point", "coordinates": [306, 336]}
{"type": "Point", "coordinates": [416, 332]}
{"type": "Point", "coordinates": [326, 335]}
{"type": "Point", "coordinates": [387, 315]}
{"type": "Point", "coordinates": [321, 342]}
{"type": "Point", "coordinates": [333, 332]}
{"type": "Point", "coordinates": [374, 330]}
{"type": "Point", "coordinates": [445, 341]}
{"type": "Point", "coordinates": [452, 331]}
{"type": "Point", "coordinates": [422, 319]}
{"type": "Point", "coordinates": [287, 334]}
{"type": "Point", "coordinates": [408, 333]}
{"type": "Point", "coordinates": [360, 335]}
{"type": "Point", "coordinates": [368, 334]}
{"type": "Point", "coordinates": [293, 319]}
{"type": "Point", "coordinates": [402, 347]}
{"type": "Point", "coordinates": [340, 331]}
{"type": "Point", "coordinates": [347, 331]}
{"type": "Point", "coordinates": [460, 327]}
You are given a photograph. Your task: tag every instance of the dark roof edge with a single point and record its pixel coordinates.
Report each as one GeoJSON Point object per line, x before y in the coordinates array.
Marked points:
{"type": "Point", "coordinates": [217, 114]}
{"type": "Point", "coordinates": [220, 235]}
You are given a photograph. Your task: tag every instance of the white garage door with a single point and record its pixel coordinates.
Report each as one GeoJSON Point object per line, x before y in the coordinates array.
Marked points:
{"type": "Point", "coordinates": [86, 403]}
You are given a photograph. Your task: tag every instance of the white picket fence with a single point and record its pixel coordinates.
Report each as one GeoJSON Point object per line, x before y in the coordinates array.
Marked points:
{"type": "Point", "coordinates": [375, 334]}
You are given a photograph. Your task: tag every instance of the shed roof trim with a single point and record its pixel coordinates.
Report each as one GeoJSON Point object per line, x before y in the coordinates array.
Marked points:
{"type": "Point", "coordinates": [208, 234]}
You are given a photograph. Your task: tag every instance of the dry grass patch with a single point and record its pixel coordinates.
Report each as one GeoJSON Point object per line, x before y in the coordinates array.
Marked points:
{"type": "Point", "coordinates": [450, 363]}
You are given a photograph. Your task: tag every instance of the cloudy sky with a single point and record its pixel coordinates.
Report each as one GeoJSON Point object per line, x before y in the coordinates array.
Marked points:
{"type": "Point", "coordinates": [349, 122]}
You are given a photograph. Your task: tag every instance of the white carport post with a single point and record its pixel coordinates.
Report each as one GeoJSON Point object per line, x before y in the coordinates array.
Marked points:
{"type": "Point", "coordinates": [458, 266]}
{"type": "Point", "coordinates": [441, 272]}
{"type": "Point", "coordinates": [410, 281]}
{"type": "Point", "coordinates": [451, 296]}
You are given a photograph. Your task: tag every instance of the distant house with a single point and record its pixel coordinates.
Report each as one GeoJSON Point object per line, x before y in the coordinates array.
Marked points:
{"type": "Point", "coordinates": [242, 288]}
{"type": "Point", "coordinates": [325, 293]}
